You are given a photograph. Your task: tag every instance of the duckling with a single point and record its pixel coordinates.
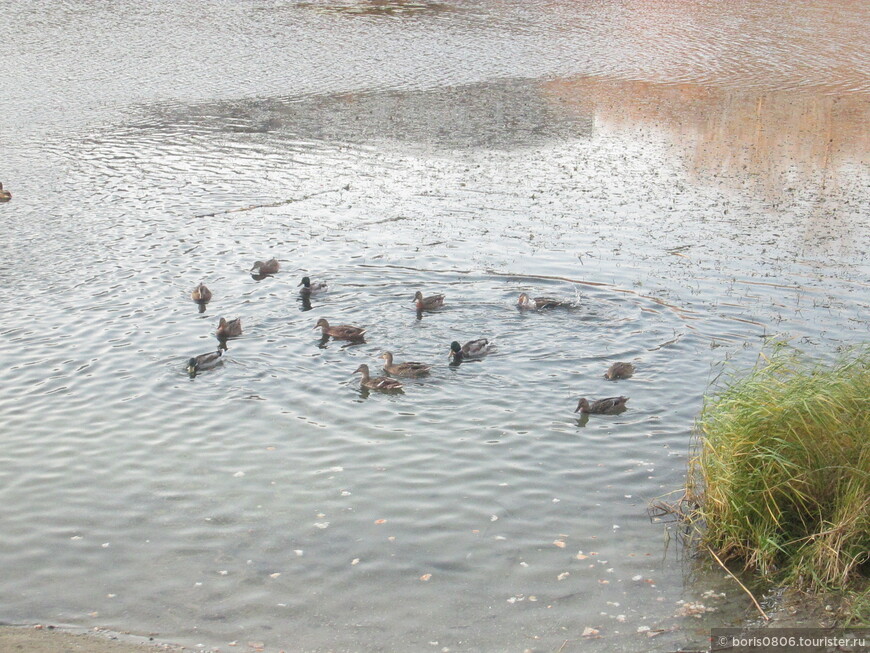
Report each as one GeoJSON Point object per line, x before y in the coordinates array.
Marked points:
{"type": "Point", "coordinates": [5, 195]}
{"type": "Point", "coordinates": [526, 302]}
{"type": "Point", "coordinates": [470, 350]}
{"type": "Point", "coordinates": [609, 406]}
{"type": "Point", "coordinates": [201, 294]}
{"type": "Point", "coordinates": [619, 371]}
{"type": "Point", "coordinates": [410, 369]}
{"type": "Point", "coordinates": [229, 329]}
{"type": "Point", "coordinates": [341, 332]}
{"type": "Point", "coordinates": [266, 267]}
{"type": "Point", "coordinates": [203, 362]}
{"type": "Point", "coordinates": [309, 288]}
{"type": "Point", "coordinates": [383, 383]}
{"type": "Point", "coordinates": [428, 303]}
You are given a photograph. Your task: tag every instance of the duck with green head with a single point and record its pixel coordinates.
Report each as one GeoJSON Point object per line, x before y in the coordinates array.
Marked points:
{"type": "Point", "coordinates": [204, 362]}
{"type": "Point", "coordinates": [311, 287]}
{"type": "Point", "coordinates": [471, 350]}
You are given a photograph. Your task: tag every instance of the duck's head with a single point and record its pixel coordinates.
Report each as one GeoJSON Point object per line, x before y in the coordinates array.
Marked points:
{"type": "Point", "coordinates": [256, 265]}
{"type": "Point", "coordinates": [322, 323]}
{"type": "Point", "coordinates": [583, 404]}
{"type": "Point", "coordinates": [191, 366]}
{"type": "Point", "coordinates": [222, 323]}
{"type": "Point", "coordinates": [418, 297]}
{"type": "Point", "coordinates": [523, 299]}
{"type": "Point", "coordinates": [387, 356]}
{"type": "Point", "coordinates": [364, 369]}
{"type": "Point", "coordinates": [305, 282]}
{"type": "Point", "coordinates": [455, 350]}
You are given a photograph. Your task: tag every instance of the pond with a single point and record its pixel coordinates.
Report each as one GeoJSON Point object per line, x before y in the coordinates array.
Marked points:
{"type": "Point", "coordinates": [691, 178]}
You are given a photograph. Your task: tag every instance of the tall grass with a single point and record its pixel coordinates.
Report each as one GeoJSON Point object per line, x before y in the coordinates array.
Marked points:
{"type": "Point", "coordinates": [781, 476]}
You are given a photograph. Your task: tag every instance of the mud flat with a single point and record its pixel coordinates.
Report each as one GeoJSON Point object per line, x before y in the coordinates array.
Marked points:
{"type": "Point", "coordinates": [54, 640]}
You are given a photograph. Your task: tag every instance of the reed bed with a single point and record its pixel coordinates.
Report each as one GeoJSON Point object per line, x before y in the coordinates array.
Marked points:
{"type": "Point", "coordinates": [780, 482]}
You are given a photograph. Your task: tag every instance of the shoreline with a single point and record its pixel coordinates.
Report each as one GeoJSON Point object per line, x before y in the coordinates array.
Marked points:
{"type": "Point", "coordinates": [38, 638]}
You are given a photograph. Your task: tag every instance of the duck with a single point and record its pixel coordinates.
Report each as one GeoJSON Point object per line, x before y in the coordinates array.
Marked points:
{"type": "Point", "coordinates": [204, 362]}
{"type": "Point", "coordinates": [309, 288]}
{"type": "Point", "coordinates": [5, 195]}
{"type": "Point", "coordinates": [609, 406]}
{"type": "Point", "coordinates": [471, 349]}
{"type": "Point", "coordinates": [266, 267]}
{"type": "Point", "coordinates": [410, 369]}
{"type": "Point", "coordinates": [619, 371]}
{"type": "Point", "coordinates": [524, 301]}
{"type": "Point", "coordinates": [229, 329]}
{"type": "Point", "coordinates": [428, 303]}
{"type": "Point", "coordinates": [340, 332]}
{"type": "Point", "coordinates": [383, 383]}
{"type": "Point", "coordinates": [201, 294]}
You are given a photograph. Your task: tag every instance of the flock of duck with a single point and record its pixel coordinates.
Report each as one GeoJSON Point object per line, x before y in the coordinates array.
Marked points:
{"type": "Point", "coordinates": [471, 350]}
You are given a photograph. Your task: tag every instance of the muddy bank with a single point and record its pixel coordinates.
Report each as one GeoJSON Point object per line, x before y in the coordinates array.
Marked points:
{"type": "Point", "coordinates": [37, 639]}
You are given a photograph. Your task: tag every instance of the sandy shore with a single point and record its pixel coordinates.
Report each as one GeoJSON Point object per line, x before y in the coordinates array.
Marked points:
{"type": "Point", "coordinates": [32, 639]}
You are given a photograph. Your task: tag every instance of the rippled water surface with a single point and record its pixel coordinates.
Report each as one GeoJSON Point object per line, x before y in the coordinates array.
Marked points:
{"type": "Point", "coordinates": [691, 176]}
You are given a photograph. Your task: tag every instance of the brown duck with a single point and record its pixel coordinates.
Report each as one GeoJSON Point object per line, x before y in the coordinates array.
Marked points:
{"type": "Point", "coordinates": [609, 406]}
{"type": "Point", "coordinates": [524, 301]}
{"type": "Point", "coordinates": [266, 267]}
{"type": "Point", "coordinates": [619, 371]}
{"type": "Point", "coordinates": [5, 195]}
{"type": "Point", "coordinates": [229, 329]}
{"type": "Point", "coordinates": [383, 383]}
{"type": "Point", "coordinates": [409, 369]}
{"type": "Point", "coordinates": [340, 332]}
{"type": "Point", "coordinates": [429, 303]}
{"type": "Point", "coordinates": [201, 294]}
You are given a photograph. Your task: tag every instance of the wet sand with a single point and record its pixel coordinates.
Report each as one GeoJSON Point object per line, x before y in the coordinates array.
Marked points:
{"type": "Point", "coordinates": [53, 640]}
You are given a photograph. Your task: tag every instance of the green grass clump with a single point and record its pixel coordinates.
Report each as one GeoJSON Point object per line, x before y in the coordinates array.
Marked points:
{"type": "Point", "coordinates": [782, 473]}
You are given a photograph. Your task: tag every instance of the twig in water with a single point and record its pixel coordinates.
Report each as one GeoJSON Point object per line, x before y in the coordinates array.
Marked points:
{"type": "Point", "coordinates": [758, 607]}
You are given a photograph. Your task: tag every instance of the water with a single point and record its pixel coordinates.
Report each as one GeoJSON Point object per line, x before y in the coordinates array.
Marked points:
{"type": "Point", "coordinates": [694, 177]}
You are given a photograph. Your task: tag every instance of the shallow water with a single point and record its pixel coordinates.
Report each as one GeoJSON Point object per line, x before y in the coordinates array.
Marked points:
{"type": "Point", "coordinates": [693, 177]}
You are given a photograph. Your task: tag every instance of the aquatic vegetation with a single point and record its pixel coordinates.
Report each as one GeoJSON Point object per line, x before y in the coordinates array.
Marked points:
{"type": "Point", "coordinates": [781, 477]}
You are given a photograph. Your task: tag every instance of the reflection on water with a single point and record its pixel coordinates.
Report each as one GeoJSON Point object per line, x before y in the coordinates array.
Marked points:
{"type": "Point", "coordinates": [784, 143]}
{"type": "Point", "coordinates": [486, 151]}
{"type": "Point", "coordinates": [378, 7]}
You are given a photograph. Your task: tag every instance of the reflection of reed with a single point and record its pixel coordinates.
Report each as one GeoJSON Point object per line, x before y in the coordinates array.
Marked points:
{"type": "Point", "coordinates": [779, 139]}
